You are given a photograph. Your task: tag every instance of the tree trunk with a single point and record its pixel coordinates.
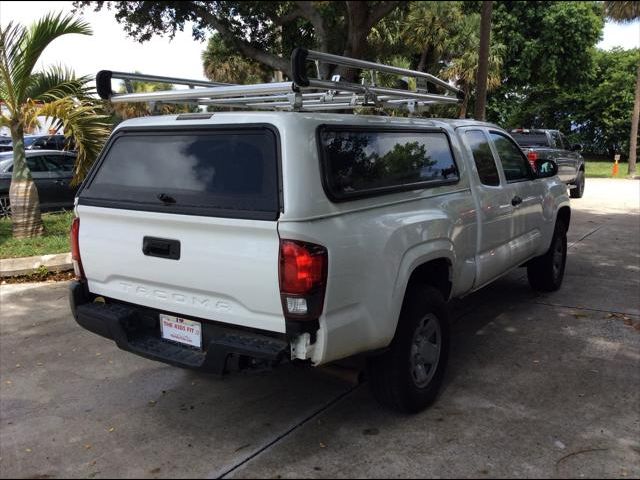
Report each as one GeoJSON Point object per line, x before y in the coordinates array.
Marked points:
{"type": "Point", "coordinates": [633, 143]}
{"type": "Point", "coordinates": [423, 58]}
{"type": "Point", "coordinates": [23, 194]}
{"type": "Point", "coordinates": [357, 15]}
{"type": "Point", "coordinates": [483, 60]}
{"type": "Point", "coordinates": [465, 102]}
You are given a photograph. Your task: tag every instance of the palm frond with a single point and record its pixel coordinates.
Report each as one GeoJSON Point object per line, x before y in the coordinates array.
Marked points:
{"type": "Point", "coordinates": [57, 82]}
{"type": "Point", "coordinates": [622, 11]}
{"type": "Point", "coordinates": [84, 124]}
{"type": "Point", "coordinates": [35, 40]}
{"type": "Point", "coordinates": [11, 37]}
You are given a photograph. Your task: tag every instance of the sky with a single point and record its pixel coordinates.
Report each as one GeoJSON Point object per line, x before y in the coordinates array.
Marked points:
{"type": "Point", "coordinates": [111, 49]}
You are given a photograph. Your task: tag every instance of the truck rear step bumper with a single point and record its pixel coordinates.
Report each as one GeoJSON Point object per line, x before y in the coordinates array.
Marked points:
{"type": "Point", "coordinates": [136, 329]}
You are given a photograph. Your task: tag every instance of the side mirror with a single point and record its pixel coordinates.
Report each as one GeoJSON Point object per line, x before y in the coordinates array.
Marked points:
{"type": "Point", "coordinates": [576, 148]}
{"type": "Point", "coordinates": [546, 168]}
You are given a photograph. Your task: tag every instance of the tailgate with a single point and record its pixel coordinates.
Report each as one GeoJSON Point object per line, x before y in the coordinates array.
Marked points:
{"type": "Point", "coordinates": [213, 198]}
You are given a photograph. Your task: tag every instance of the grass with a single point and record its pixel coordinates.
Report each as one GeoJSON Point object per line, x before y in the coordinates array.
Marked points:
{"type": "Point", "coordinates": [55, 239]}
{"type": "Point", "coordinates": [605, 170]}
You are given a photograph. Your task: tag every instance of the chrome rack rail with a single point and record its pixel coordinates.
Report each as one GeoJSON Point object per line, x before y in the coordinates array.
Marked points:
{"type": "Point", "coordinates": [302, 94]}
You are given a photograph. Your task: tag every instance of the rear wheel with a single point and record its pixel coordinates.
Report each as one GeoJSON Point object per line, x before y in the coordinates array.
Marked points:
{"type": "Point", "coordinates": [5, 207]}
{"type": "Point", "coordinates": [578, 192]}
{"type": "Point", "coordinates": [408, 376]}
{"type": "Point", "coordinates": [546, 272]}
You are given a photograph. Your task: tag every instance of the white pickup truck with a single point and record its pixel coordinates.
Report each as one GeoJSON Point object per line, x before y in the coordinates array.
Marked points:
{"type": "Point", "coordinates": [219, 240]}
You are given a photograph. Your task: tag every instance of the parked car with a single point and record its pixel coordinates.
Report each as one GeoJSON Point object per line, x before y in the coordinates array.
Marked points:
{"type": "Point", "coordinates": [553, 145]}
{"type": "Point", "coordinates": [52, 171]}
{"type": "Point", "coordinates": [41, 142]}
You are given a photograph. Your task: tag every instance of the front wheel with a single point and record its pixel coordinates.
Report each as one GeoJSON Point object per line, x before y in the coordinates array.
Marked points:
{"type": "Point", "coordinates": [578, 191]}
{"type": "Point", "coordinates": [546, 272]}
{"type": "Point", "coordinates": [407, 377]}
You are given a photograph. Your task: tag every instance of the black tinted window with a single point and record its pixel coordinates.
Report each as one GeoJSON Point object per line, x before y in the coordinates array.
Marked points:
{"type": "Point", "coordinates": [370, 161]}
{"type": "Point", "coordinates": [557, 140]}
{"type": "Point", "coordinates": [483, 157]}
{"type": "Point", "coordinates": [58, 163]}
{"type": "Point", "coordinates": [36, 164]}
{"type": "Point", "coordinates": [564, 142]}
{"type": "Point", "coordinates": [514, 163]}
{"type": "Point", "coordinates": [51, 143]}
{"type": "Point", "coordinates": [218, 173]}
{"type": "Point", "coordinates": [531, 139]}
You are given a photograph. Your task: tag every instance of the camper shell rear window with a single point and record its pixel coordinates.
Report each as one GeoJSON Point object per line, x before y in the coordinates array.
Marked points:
{"type": "Point", "coordinates": [217, 171]}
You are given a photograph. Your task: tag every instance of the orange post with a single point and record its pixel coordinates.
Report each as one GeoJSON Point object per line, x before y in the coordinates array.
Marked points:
{"type": "Point", "coordinates": [615, 165]}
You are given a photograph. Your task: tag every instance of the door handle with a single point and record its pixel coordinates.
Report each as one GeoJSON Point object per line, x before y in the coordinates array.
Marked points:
{"type": "Point", "coordinates": [516, 201]}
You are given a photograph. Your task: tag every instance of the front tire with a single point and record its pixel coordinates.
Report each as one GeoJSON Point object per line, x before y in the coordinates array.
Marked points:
{"type": "Point", "coordinates": [578, 192]}
{"type": "Point", "coordinates": [408, 376]}
{"type": "Point", "coordinates": [546, 272]}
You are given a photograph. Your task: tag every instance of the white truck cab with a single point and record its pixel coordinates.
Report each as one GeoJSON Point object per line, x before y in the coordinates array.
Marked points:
{"type": "Point", "coordinates": [228, 238]}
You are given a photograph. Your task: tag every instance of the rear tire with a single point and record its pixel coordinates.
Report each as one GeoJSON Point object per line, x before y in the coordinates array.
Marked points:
{"type": "Point", "coordinates": [5, 207]}
{"type": "Point", "coordinates": [578, 192]}
{"type": "Point", "coordinates": [546, 272]}
{"type": "Point", "coordinates": [408, 376]}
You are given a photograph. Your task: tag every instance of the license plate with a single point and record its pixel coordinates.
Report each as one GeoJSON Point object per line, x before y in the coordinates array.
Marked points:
{"type": "Point", "coordinates": [181, 330]}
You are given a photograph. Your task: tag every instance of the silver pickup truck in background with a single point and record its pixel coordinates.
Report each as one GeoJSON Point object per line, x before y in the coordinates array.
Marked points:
{"type": "Point", "coordinates": [546, 144]}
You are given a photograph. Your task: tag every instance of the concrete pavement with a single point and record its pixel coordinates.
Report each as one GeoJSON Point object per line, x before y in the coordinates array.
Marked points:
{"type": "Point", "coordinates": [538, 386]}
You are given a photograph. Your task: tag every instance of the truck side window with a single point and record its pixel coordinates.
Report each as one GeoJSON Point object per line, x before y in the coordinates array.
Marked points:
{"type": "Point", "coordinates": [557, 139]}
{"type": "Point", "coordinates": [485, 163]}
{"type": "Point", "coordinates": [371, 161]}
{"type": "Point", "coordinates": [564, 142]}
{"type": "Point", "coordinates": [515, 165]}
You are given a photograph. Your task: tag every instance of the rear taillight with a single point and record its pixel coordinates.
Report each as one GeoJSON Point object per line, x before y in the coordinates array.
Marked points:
{"type": "Point", "coordinates": [303, 279]}
{"type": "Point", "coordinates": [532, 157]}
{"type": "Point", "coordinates": [75, 249]}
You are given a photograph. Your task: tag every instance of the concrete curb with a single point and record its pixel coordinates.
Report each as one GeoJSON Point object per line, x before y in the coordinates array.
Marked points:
{"type": "Point", "coordinates": [12, 267]}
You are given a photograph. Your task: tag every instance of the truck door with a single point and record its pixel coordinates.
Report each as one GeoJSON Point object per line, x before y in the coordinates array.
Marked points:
{"type": "Point", "coordinates": [567, 164]}
{"type": "Point", "coordinates": [525, 195]}
{"type": "Point", "coordinates": [495, 211]}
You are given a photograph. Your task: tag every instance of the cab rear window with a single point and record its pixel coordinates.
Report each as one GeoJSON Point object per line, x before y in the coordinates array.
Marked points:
{"type": "Point", "coordinates": [214, 172]}
{"type": "Point", "coordinates": [531, 139]}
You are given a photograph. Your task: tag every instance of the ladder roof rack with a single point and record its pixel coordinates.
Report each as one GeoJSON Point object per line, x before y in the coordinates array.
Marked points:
{"type": "Point", "coordinates": [302, 94]}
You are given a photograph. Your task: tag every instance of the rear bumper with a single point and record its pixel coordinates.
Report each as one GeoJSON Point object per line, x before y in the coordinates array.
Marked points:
{"type": "Point", "coordinates": [137, 330]}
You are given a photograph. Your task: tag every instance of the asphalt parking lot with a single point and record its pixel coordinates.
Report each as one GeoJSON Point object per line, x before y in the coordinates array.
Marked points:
{"type": "Point", "coordinates": [539, 385]}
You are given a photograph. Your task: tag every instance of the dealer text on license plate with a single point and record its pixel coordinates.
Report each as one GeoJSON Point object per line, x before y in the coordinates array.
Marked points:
{"type": "Point", "coordinates": [181, 330]}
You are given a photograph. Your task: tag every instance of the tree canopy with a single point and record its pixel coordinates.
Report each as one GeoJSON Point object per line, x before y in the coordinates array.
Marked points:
{"type": "Point", "coordinates": [265, 31]}
{"type": "Point", "coordinates": [544, 68]}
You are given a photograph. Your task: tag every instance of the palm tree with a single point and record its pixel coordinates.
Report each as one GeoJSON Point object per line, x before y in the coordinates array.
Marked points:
{"type": "Point", "coordinates": [463, 69]}
{"type": "Point", "coordinates": [483, 59]}
{"type": "Point", "coordinates": [431, 28]}
{"type": "Point", "coordinates": [55, 93]}
{"type": "Point", "coordinates": [626, 12]}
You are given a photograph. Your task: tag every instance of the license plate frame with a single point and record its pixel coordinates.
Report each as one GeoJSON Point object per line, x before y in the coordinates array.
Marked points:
{"type": "Point", "coordinates": [181, 331]}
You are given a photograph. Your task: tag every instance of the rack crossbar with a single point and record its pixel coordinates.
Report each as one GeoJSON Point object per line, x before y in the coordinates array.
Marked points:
{"type": "Point", "coordinates": [302, 94]}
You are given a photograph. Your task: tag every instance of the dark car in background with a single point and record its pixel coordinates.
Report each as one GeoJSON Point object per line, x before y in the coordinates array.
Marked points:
{"type": "Point", "coordinates": [547, 144]}
{"type": "Point", "coordinates": [52, 171]}
{"type": "Point", "coordinates": [40, 142]}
